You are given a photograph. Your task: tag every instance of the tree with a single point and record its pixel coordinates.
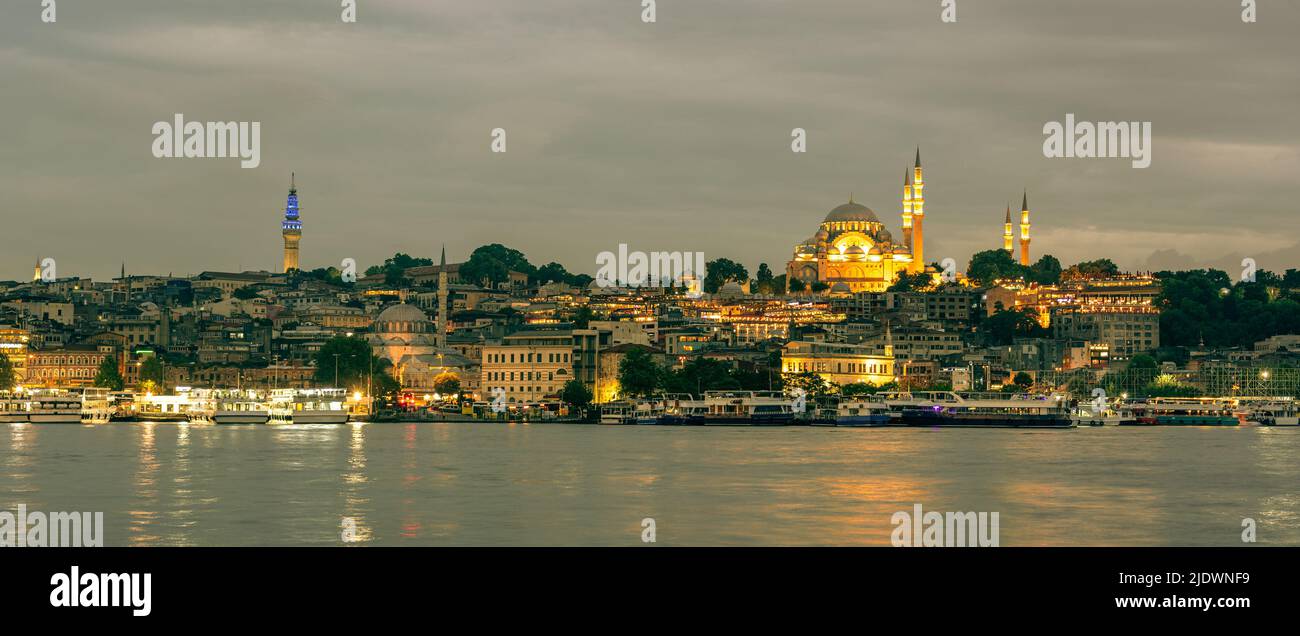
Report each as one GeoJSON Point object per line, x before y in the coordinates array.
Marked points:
{"type": "Point", "coordinates": [990, 265]}
{"type": "Point", "coordinates": [1023, 380]}
{"type": "Point", "coordinates": [108, 376]}
{"type": "Point", "coordinates": [813, 384]}
{"type": "Point", "coordinates": [576, 394]}
{"type": "Point", "coordinates": [908, 282]}
{"type": "Point", "coordinates": [1004, 326]}
{"type": "Point", "coordinates": [8, 378]}
{"type": "Point", "coordinates": [490, 265]}
{"type": "Point", "coordinates": [721, 272]}
{"type": "Point", "coordinates": [582, 316]}
{"type": "Point", "coordinates": [447, 383]}
{"type": "Point", "coordinates": [701, 374]}
{"type": "Point", "coordinates": [1047, 271]}
{"type": "Point", "coordinates": [245, 293]}
{"type": "Point", "coordinates": [764, 281]}
{"type": "Point", "coordinates": [151, 371]}
{"type": "Point", "coordinates": [1099, 268]}
{"type": "Point", "coordinates": [355, 361]}
{"type": "Point", "coordinates": [797, 285]}
{"type": "Point", "coordinates": [638, 375]}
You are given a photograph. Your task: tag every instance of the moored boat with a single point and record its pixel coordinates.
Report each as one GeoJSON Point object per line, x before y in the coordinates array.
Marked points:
{"type": "Point", "coordinates": [1201, 411]}
{"type": "Point", "coordinates": [308, 406]}
{"type": "Point", "coordinates": [747, 408]}
{"type": "Point", "coordinates": [861, 412]}
{"type": "Point", "coordinates": [981, 410]}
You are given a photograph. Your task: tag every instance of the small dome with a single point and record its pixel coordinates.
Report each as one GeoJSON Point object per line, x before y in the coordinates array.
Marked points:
{"type": "Point", "coordinates": [820, 235]}
{"type": "Point", "coordinates": [875, 250]}
{"type": "Point", "coordinates": [851, 212]}
{"type": "Point", "coordinates": [854, 250]}
{"type": "Point", "coordinates": [731, 289]}
{"type": "Point", "coordinates": [840, 288]}
{"type": "Point", "coordinates": [884, 236]}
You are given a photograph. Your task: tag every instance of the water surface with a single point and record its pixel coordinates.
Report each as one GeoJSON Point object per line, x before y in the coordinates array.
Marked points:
{"type": "Point", "coordinates": [564, 484]}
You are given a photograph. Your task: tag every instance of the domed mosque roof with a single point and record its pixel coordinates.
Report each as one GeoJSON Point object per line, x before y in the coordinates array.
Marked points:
{"type": "Point", "coordinates": [851, 212]}
{"type": "Point", "coordinates": [402, 313]}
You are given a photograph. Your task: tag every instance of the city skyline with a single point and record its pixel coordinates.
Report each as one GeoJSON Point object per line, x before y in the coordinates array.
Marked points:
{"type": "Point", "coordinates": [672, 135]}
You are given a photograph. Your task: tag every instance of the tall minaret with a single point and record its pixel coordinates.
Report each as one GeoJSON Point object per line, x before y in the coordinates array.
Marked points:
{"type": "Point", "coordinates": [441, 340]}
{"type": "Point", "coordinates": [907, 207]}
{"type": "Point", "coordinates": [1006, 234]}
{"type": "Point", "coordinates": [36, 274]}
{"type": "Point", "coordinates": [918, 216]}
{"type": "Point", "coordinates": [291, 228]}
{"type": "Point", "coordinates": [1024, 230]}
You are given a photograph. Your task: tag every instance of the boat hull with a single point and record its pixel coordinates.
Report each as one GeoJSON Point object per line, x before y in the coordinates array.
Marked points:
{"type": "Point", "coordinates": [320, 417]}
{"type": "Point", "coordinates": [55, 418]}
{"type": "Point", "coordinates": [862, 420]}
{"type": "Point", "coordinates": [929, 417]}
{"type": "Point", "coordinates": [756, 420]}
{"type": "Point", "coordinates": [242, 417]}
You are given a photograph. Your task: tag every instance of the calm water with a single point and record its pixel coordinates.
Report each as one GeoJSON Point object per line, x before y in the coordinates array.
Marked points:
{"type": "Point", "coordinates": [556, 484]}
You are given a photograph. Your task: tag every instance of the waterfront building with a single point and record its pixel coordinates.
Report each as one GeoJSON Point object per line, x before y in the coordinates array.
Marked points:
{"type": "Point", "coordinates": [838, 363]}
{"type": "Point", "coordinates": [291, 228]}
{"type": "Point", "coordinates": [529, 366]}
{"type": "Point", "coordinates": [71, 366]}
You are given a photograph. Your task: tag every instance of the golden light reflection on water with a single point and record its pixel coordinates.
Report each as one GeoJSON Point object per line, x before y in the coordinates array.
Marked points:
{"type": "Point", "coordinates": [517, 484]}
{"type": "Point", "coordinates": [145, 512]}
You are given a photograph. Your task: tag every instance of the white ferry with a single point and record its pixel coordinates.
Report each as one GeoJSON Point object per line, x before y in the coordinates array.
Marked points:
{"type": "Point", "coordinates": [308, 406]}
{"type": "Point", "coordinates": [1268, 411]}
{"type": "Point", "coordinates": [13, 408]}
{"type": "Point", "coordinates": [96, 406]}
{"type": "Point", "coordinates": [683, 409]}
{"type": "Point", "coordinates": [624, 412]}
{"type": "Point", "coordinates": [753, 408]}
{"type": "Point", "coordinates": [1201, 411]}
{"type": "Point", "coordinates": [861, 412]}
{"type": "Point", "coordinates": [53, 407]}
{"type": "Point", "coordinates": [996, 410]}
{"type": "Point", "coordinates": [244, 406]}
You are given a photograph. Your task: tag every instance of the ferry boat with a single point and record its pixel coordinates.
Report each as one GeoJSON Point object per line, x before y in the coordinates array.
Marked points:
{"type": "Point", "coordinates": [13, 408]}
{"type": "Point", "coordinates": [1114, 414]}
{"type": "Point", "coordinates": [53, 407]}
{"type": "Point", "coordinates": [993, 410]}
{"type": "Point", "coordinates": [308, 406]}
{"type": "Point", "coordinates": [1268, 411]}
{"type": "Point", "coordinates": [96, 406]}
{"type": "Point", "coordinates": [1201, 411]}
{"type": "Point", "coordinates": [861, 412]}
{"type": "Point", "coordinates": [753, 408]}
{"type": "Point", "coordinates": [239, 407]}
{"type": "Point", "coordinates": [624, 412]}
{"type": "Point", "coordinates": [683, 409]}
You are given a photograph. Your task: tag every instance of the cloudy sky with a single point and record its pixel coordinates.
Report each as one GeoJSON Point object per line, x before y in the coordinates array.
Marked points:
{"type": "Point", "coordinates": [666, 136]}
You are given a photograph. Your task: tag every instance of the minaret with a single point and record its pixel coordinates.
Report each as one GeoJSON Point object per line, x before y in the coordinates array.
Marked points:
{"type": "Point", "coordinates": [441, 340]}
{"type": "Point", "coordinates": [907, 207]}
{"type": "Point", "coordinates": [36, 273]}
{"type": "Point", "coordinates": [1006, 234]}
{"type": "Point", "coordinates": [291, 228]}
{"type": "Point", "coordinates": [918, 216]}
{"type": "Point", "coordinates": [1024, 230]}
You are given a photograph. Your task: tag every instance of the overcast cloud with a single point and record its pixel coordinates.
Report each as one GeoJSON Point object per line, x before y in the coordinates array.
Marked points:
{"type": "Point", "coordinates": [666, 136]}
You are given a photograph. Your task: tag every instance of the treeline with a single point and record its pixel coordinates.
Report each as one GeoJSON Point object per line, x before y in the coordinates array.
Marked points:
{"type": "Point", "coordinates": [1205, 305]}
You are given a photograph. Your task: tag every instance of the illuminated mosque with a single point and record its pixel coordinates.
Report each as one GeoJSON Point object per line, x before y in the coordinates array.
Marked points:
{"type": "Point", "coordinates": [853, 252]}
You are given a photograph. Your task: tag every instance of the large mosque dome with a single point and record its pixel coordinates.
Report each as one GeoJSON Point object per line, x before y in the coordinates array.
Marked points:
{"type": "Point", "coordinates": [851, 212]}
